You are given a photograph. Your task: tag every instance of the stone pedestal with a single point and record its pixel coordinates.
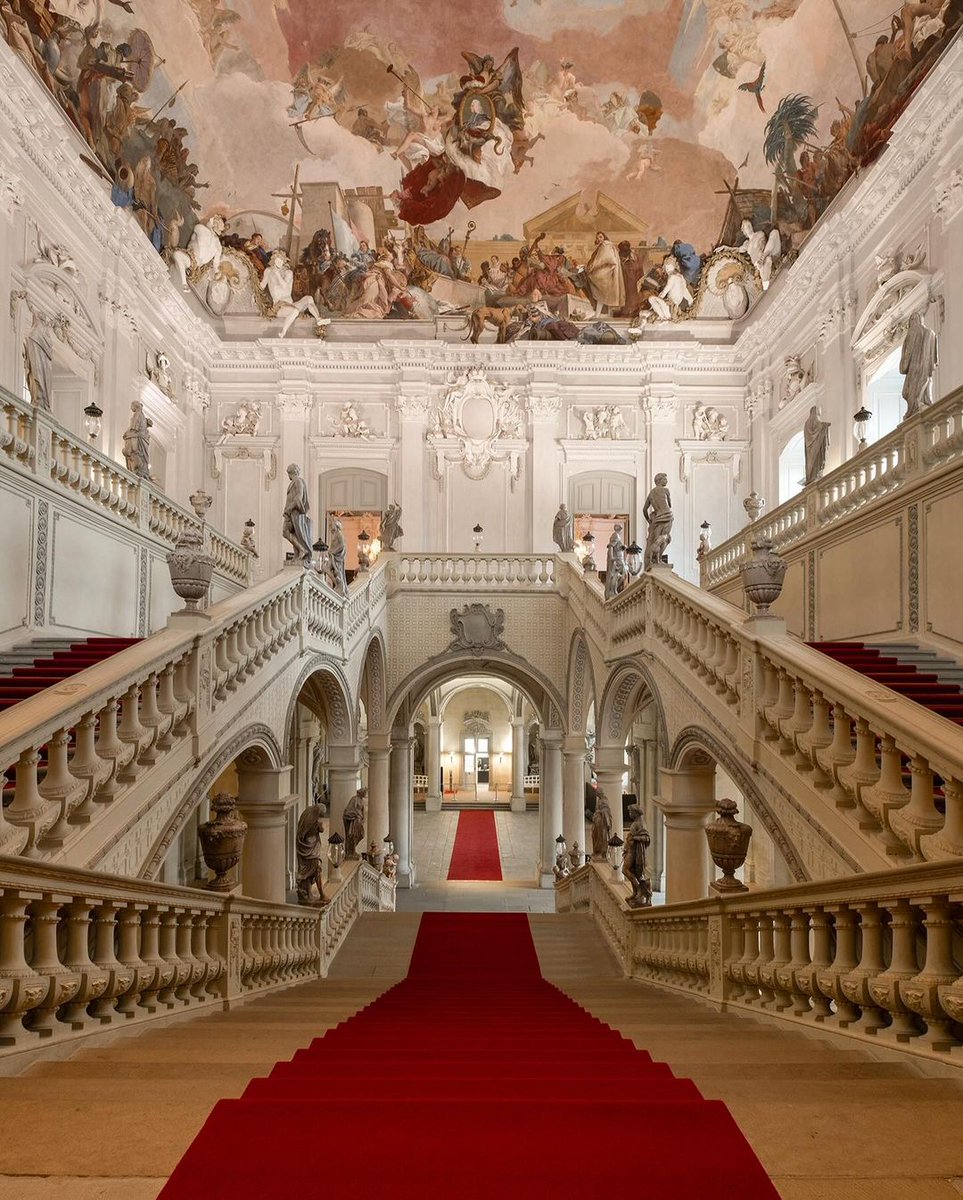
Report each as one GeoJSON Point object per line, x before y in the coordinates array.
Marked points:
{"type": "Point", "coordinates": [399, 805]}
{"type": "Point", "coordinates": [687, 800]}
{"type": "Point", "coordinates": [433, 765]}
{"type": "Point", "coordinates": [609, 770]}
{"type": "Point", "coordinates": [263, 799]}
{"type": "Point", "coordinates": [519, 760]}
{"type": "Point", "coordinates": [549, 806]}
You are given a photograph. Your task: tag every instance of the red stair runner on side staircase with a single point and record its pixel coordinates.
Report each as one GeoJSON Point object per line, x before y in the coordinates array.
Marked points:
{"type": "Point", "coordinates": [908, 680]}
{"type": "Point", "coordinates": [47, 670]}
{"type": "Point", "coordinates": [472, 1079]}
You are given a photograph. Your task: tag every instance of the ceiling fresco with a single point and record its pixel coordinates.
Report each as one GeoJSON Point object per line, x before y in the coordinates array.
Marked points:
{"type": "Point", "coordinates": [562, 160]}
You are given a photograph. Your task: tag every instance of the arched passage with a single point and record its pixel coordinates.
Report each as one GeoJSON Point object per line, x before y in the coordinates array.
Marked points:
{"type": "Point", "coordinates": [541, 699]}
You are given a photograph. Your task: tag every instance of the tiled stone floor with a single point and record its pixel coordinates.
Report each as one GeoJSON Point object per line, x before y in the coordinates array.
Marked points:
{"type": "Point", "coordinates": [433, 838]}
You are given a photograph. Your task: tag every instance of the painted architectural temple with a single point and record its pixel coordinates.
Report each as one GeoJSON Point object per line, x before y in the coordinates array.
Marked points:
{"type": "Point", "coordinates": [480, 644]}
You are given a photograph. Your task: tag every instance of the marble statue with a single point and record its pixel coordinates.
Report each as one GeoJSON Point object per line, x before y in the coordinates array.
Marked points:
{"type": "Point", "coordinates": [391, 527]}
{"type": "Point", "coordinates": [605, 421]}
{"type": "Point", "coordinates": [336, 555]}
{"type": "Point", "coordinates": [204, 248]}
{"type": "Point", "coordinates": [601, 827]}
{"type": "Point", "coordinates": [137, 441]}
{"type": "Point", "coordinates": [561, 868]}
{"type": "Point", "coordinates": [562, 530]}
{"type": "Point", "coordinates": [297, 516]}
{"type": "Point", "coordinates": [616, 572]}
{"type": "Point", "coordinates": [815, 444]}
{"type": "Point", "coordinates": [247, 538]}
{"type": "Point", "coordinates": [657, 511]}
{"type": "Point", "coordinates": [761, 249]}
{"type": "Point", "coordinates": [354, 816]}
{"type": "Point", "coordinates": [705, 545]}
{"type": "Point", "coordinates": [708, 424]}
{"type": "Point", "coordinates": [309, 847]}
{"type": "Point", "coordinates": [160, 373]}
{"type": "Point", "coordinates": [278, 282]}
{"type": "Point", "coordinates": [38, 362]}
{"type": "Point", "coordinates": [917, 363]}
{"type": "Point", "coordinates": [637, 841]}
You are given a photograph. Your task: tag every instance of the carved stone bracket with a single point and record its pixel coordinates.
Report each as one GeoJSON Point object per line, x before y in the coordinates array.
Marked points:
{"type": "Point", "coordinates": [477, 628]}
{"type": "Point", "coordinates": [478, 423]}
{"type": "Point", "coordinates": [695, 451]}
{"type": "Point", "coordinates": [240, 446]}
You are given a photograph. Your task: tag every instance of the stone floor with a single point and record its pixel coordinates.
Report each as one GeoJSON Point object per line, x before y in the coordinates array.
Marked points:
{"type": "Point", "coordinates": [432, 841]}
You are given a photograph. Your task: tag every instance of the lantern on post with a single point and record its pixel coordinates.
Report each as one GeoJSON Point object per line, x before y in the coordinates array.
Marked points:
{"type": "Point", "coordinates": [861, 425]}
{"type": "Point", "coordinates": [93, 420]}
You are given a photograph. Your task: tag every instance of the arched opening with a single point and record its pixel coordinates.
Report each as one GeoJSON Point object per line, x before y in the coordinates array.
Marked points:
{"type": "Point", "coordinates": [480, 719]}
{"type": "Point", "coordinates": [883, 397]}
{"type": "Point", "coordinates": [792, 468]}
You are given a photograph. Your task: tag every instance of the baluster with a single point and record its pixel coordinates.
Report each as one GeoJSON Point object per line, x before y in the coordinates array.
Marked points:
{"type": "Point", "coordinates": [110, 749]}
{"type": "Point", "coordinates": [799, 963]}
{"type": "Point", "coordinates": [818, 737]}
{"type": "Point", "coordinates": [856, 983]}
{"type": "Point", "coordinates": [128, 952]}
{"type": "Point", "coordinates": [29, 808]}
{"type": "Point", "coordinates": [168, 951]}
{"type": "Point", "coordinates": [120, 977]}
{"type": "Point", "coordinates": [948, 842]}
{"type": "Point", "coordinates": [85, 766]}
{"type": "Point", "coordinates": [130, 732]}
{"type": "Point", "coordinates": [62, 984]}
{"type": "Point", "coordinates": [206, 965]}
{"type": "Point", "coordinates": [159, 973]}
{"type": "Point", "coordinates": [151, 718]}
{"type": "Point", "coordinates": [863, 773]}
{"type": "Point", "coordinates": [58, 787]}
{"type": "Point", "coordinates": [920, 816]}
{"type": "Point", "coordinates": [94, 980]}
{"type": "Point", "coordinates": [885, 988]}
{"type": "Point", "coordinates": [191, 971]}
{"type": "Point", "coordinates": [21, 989]}
{"type": "Point", "coordinates": [887, 793]}
{"type": "Point", "coordinates": [167, 707]}
{"type": "Point", "coordinates": [921, 994]}
{"type": "Point", "coordinates": [770, 972]}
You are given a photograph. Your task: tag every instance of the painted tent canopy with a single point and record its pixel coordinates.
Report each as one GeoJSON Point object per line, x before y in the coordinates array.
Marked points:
{"type": "Point", "coordinates": [562, 160]}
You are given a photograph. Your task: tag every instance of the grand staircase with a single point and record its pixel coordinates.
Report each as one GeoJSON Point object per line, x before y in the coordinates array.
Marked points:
{"type": "Point", "coordinates": [828, 1120]}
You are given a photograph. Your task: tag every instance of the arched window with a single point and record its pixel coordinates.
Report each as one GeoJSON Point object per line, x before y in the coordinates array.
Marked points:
{"type": "Point", "coordinates": [792, 468]}
{"type": "Point", "coordinates": [883, 397]}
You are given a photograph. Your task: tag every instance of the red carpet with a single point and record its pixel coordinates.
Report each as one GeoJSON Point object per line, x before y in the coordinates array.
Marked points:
{"type": "Point", "coordinates": [49, 669]}
{"type": "Point", "coordinates": [475, 853]}
{"type": "Point", "coordinates": [906, 678]}
{"type": "Point", "coordinates": [473, 1079]}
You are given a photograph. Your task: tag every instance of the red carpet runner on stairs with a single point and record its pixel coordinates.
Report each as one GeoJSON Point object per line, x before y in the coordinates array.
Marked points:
{"type": "Point", "coordinates": [49, 669]}
{"type": "Point", "coordinates": [925, 688]}
{"type": "Point", "coordinates": [472, 1079]}
{"type": "Point", "coordinates": [475, 853]}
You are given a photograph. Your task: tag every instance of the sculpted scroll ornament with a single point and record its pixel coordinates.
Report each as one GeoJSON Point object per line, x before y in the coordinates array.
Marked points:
{"type": "Point", "coordinates": [477, 628]}
{"type": "Point", "coordinates": [477, 424]}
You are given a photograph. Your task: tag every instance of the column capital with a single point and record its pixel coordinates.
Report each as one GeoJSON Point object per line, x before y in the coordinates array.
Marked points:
{"type": "Point", "coordinates": [551, 739]}
{"type": "Point", "coordinates": [343, 758]}
{"type": "Point", "coordinates": [379, 743]}
{"type": "Point", "coordinates": [574, 746]}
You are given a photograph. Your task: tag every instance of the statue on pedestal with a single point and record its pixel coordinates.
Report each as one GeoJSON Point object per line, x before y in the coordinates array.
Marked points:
{"type": "Point", "coordinates": [657, 511]}
{"type": "Point", "coordinates": [297, 516]}
{"type": "Point", "coordinates": [616, 572]}
{"type": "Point", "coordinates": [562, 532]}
{"type": "Point", "coordinates": [391, 527]}
{"type": "Point", "coordinates": [309, 847]}
{"type": "Point", "coordinates": [917, 363]}
{"type": "Point", "coordinates": [633, 859]}
{"type": "Point", "coordinates": [336, 555]}
{"type": "Point", "coordinates": [137, 441]}
{"type": "Point", "coordinates": [38, 362]}
{"type": "Point", "coordinates": [815, 444]}
{"type": "Point", "coordinates": [601, 827]}
{"type": "Point", "coordinates": [354, 815]}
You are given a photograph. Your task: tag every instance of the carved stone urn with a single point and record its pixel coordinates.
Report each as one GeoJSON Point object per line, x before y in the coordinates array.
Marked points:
{"type": "Point", "coordinates": [201, 501]}
{"type": "Point", "coordinates": [762, 575]}
{"type": "Point", "coordinates": [728, 844]}
{"type": "Point", "coordinates": [190, 569]}
{"type": "Point", "coordinates": [222, 840]}
{"type": "Point", "coordinates": [753, 504]}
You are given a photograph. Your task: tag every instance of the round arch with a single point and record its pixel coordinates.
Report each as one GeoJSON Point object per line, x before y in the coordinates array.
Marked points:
{"type": "Point", "coordinates": [372, 691]}
{"type": "Point", "coordinates": [694, 740]}
{"type": "Point", "coordinates": [258, 738]}
{"type": "Point", "coordinates": [580, 684]}
{"type": "Point", "coordinates": [448, 696]}
{"type": "Point", "coordinates": [323, 689]}
{"type": "Point", "coordinates": [627, 684]}
{"type": "Point", "coordinates": [539, 691]}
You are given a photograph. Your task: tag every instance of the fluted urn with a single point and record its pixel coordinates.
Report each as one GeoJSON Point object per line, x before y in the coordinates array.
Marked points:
{"type": "Point", "coordinates": [190, 569]}
{"type": "Point", "coordinates": [763, 575]}
{"type": "Point", "coordinates": [222, 840]}
{"type": "Point", "coordinates": [728, 844]}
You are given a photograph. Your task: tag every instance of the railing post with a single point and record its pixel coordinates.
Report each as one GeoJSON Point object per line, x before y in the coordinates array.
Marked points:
{"type": "Point", "coordinates": [229, 945]}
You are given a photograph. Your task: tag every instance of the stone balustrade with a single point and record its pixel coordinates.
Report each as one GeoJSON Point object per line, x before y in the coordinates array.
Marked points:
{"type": "Point", "coordinates": [922, 444]}
{"type": "Point", "coordinates": [472, 572]}
{"type": "Point", "coordinates": [870, 956]}
{"type": "Point", "coordinates": [34, 442]}
{"type": "Point", "coordinates": [82, 952]}
{"type": "Point", "coordinates": [74, 752]}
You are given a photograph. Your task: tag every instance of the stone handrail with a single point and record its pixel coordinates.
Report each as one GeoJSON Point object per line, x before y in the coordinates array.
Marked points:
{"type": "Point", "coordinates": [870, 956]}
{"type": "Point", "coordinates": [472, 572]}
{"type": "Point", "coordinates": [82, 952]}
{"type": "Point", "coordinates": [32, 441]}
{"type": "Point", "coordinates": [76, 749]}
{"type": "Point", "coordinates": [918, 445]}
{"type": "Point", "coordinates": [852, 743]}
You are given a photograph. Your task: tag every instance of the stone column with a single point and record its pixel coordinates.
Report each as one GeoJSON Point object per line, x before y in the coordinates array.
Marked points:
{"type": "Point", "coordinates": [687, 799]}
{"type": "Point", "coordinates": [653, 815]}
{"type": "Point", "coordinates": [264, 797]}
{"type": "Point", "coordinates": [343, 775]}
{"type": "Point", "coordinates": [609, 769]}
{"type": "Point", "coordinates": [399, 803]}
{"type": "Point", "coordinates": [433, 765]}
{"type": "Point", "coordinates": [549, 806]}
{"type": "Point", "coordinates": [519, 762]}
{"type": "Point", "coordinates": [379, 750]}
{"type": "Point", "coordinates": [573, 791]}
